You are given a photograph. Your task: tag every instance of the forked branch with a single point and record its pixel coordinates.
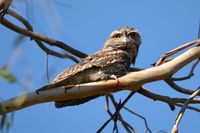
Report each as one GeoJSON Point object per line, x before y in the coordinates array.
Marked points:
{"type": "Point", "coordinates": [182, 111]}
{"type": "Point", "coordinates": [38, 37]}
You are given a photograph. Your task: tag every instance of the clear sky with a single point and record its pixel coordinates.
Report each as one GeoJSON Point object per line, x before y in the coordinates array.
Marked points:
{"type": "Point", "coordinates": [85, 25]}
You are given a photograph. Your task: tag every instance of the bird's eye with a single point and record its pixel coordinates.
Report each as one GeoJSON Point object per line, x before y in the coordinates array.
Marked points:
{"type": "Point", "coordinates": [117, 36]}
{"type": "Point", "coordinates": [132, 34]}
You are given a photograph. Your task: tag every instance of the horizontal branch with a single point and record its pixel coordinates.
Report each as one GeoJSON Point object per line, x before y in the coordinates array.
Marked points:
{"type": "Point", "coordinates": [40, 37]}
{"type": "Point", "coordinates": [40, 43]}
{"type": "Point", "coordinates": [132, 81]}
{"type": "Point", "coordinates": [172, 102]}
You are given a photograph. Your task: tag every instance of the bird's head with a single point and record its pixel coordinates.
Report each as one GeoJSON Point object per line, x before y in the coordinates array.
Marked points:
{"type": "Point", "coordinates": [125, 38]}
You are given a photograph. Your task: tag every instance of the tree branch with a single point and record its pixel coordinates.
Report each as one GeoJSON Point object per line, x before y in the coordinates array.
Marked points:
{"type": "Point", "coordinates": [40, 37]}
{"type": "Point", "coordinates": [172, 102]}
{"type": "Point", "coordinates": [147, 129]}
{"type": "Point", "coordinates": [132, 81]}
{"type": "Point", "coordinates": [117, 111]}
{"type": "Point", "coordinates": [181, 112]}
{"type": "Point", "coordinates": [178, 88]}
{"type": "Point", "coordinates": [126, 126]}
{"type": "Point", "coordinates": [190, 74]}
{"type": "Point", "coordinates": [40, 44]}
{"type": "Point", "coordinates": [174, 51]}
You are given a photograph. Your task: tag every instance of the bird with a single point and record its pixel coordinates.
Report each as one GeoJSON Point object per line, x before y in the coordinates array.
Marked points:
{"type": "Point", "coordinates": [112, 61]}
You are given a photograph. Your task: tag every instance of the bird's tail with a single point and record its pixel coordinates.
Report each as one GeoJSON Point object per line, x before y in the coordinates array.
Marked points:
{"type": "Point", "coordinates": [73, 102]}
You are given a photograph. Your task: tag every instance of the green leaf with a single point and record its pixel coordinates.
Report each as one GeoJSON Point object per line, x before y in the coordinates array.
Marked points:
{"type": "Point", "coordinates": [3, 121]}
{"type": "Point", "coordinates": [7, 75]}
{"type": "Point", "coordinates": [6, 122]}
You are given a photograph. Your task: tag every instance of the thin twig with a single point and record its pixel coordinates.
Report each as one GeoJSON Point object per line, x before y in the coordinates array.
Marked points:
{"type": "Point", "coordinates": [188, 107]}
{"type": "Point", "coordinates": [20, 18]}
{"type": "Point", "coordinates": [109, 112]}
{"type": "Point", "coordinates": [40, 44]}
{"type": "Point", "coordinates": [181, 112]}
{"type": "Point", "coordinates": [54, 53]}
{"type": "Point", "coordinates": [47, 67]}
{"type": "Point", "coordinates": [127, 126]}
{"type": "Point", "coordinates": [117, 111]}
{"type": "Point", "coordinates": [172, 102]}
{"type": "Point", "coordinates": [147, 129]}
{"type": "Point", "coordinates": [171, 52]}
{"type": "Point", "coordinates": [154, 96]}
{"type": "Point", "coordinates": [178, 88]}
{"type": "Point", "coordinates": [191, 73]}
{"type": "Point", "coordinates": [40, 37]}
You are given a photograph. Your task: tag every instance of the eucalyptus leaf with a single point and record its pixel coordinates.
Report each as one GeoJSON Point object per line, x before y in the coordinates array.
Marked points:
{"type": "Point", "coordinates": [9, 77]}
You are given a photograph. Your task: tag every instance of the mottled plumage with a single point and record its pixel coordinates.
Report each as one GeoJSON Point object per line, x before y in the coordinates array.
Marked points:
{"type": "Point", "coordinates": [115, 58]}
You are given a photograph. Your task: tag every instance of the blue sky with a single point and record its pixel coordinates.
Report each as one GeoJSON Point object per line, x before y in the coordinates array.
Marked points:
{"type": "Point", "coordinates": [85, 25]}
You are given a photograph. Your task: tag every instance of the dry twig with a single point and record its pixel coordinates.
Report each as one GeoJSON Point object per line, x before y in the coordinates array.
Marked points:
{"type": "Point", "coordinates": [174, 51]}
{"type": "Point", "coordinates": [190, 74]}
{"type": "Point", "coordinates": [178, 88]}
{"type": "Point", "coordinates": [147, 129]}
{"type": "Point", "coordinates": [126, 126]}
{"type": "Point", "coordinates": [181, 112]}
{"type": "Point", "coordinates": [172, 102]}
{"type": "Point", "coordinates": [40, 37]}
{"type": "Point", "coordinates": [116, 112]}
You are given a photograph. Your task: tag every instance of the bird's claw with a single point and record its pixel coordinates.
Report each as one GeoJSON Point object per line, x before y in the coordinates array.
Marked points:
{"type": "Point", "coordinates": [115, 78]}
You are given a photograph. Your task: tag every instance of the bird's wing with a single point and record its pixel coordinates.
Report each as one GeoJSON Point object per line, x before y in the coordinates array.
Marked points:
{"type": "Point", "coordinates": [99, 59]}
